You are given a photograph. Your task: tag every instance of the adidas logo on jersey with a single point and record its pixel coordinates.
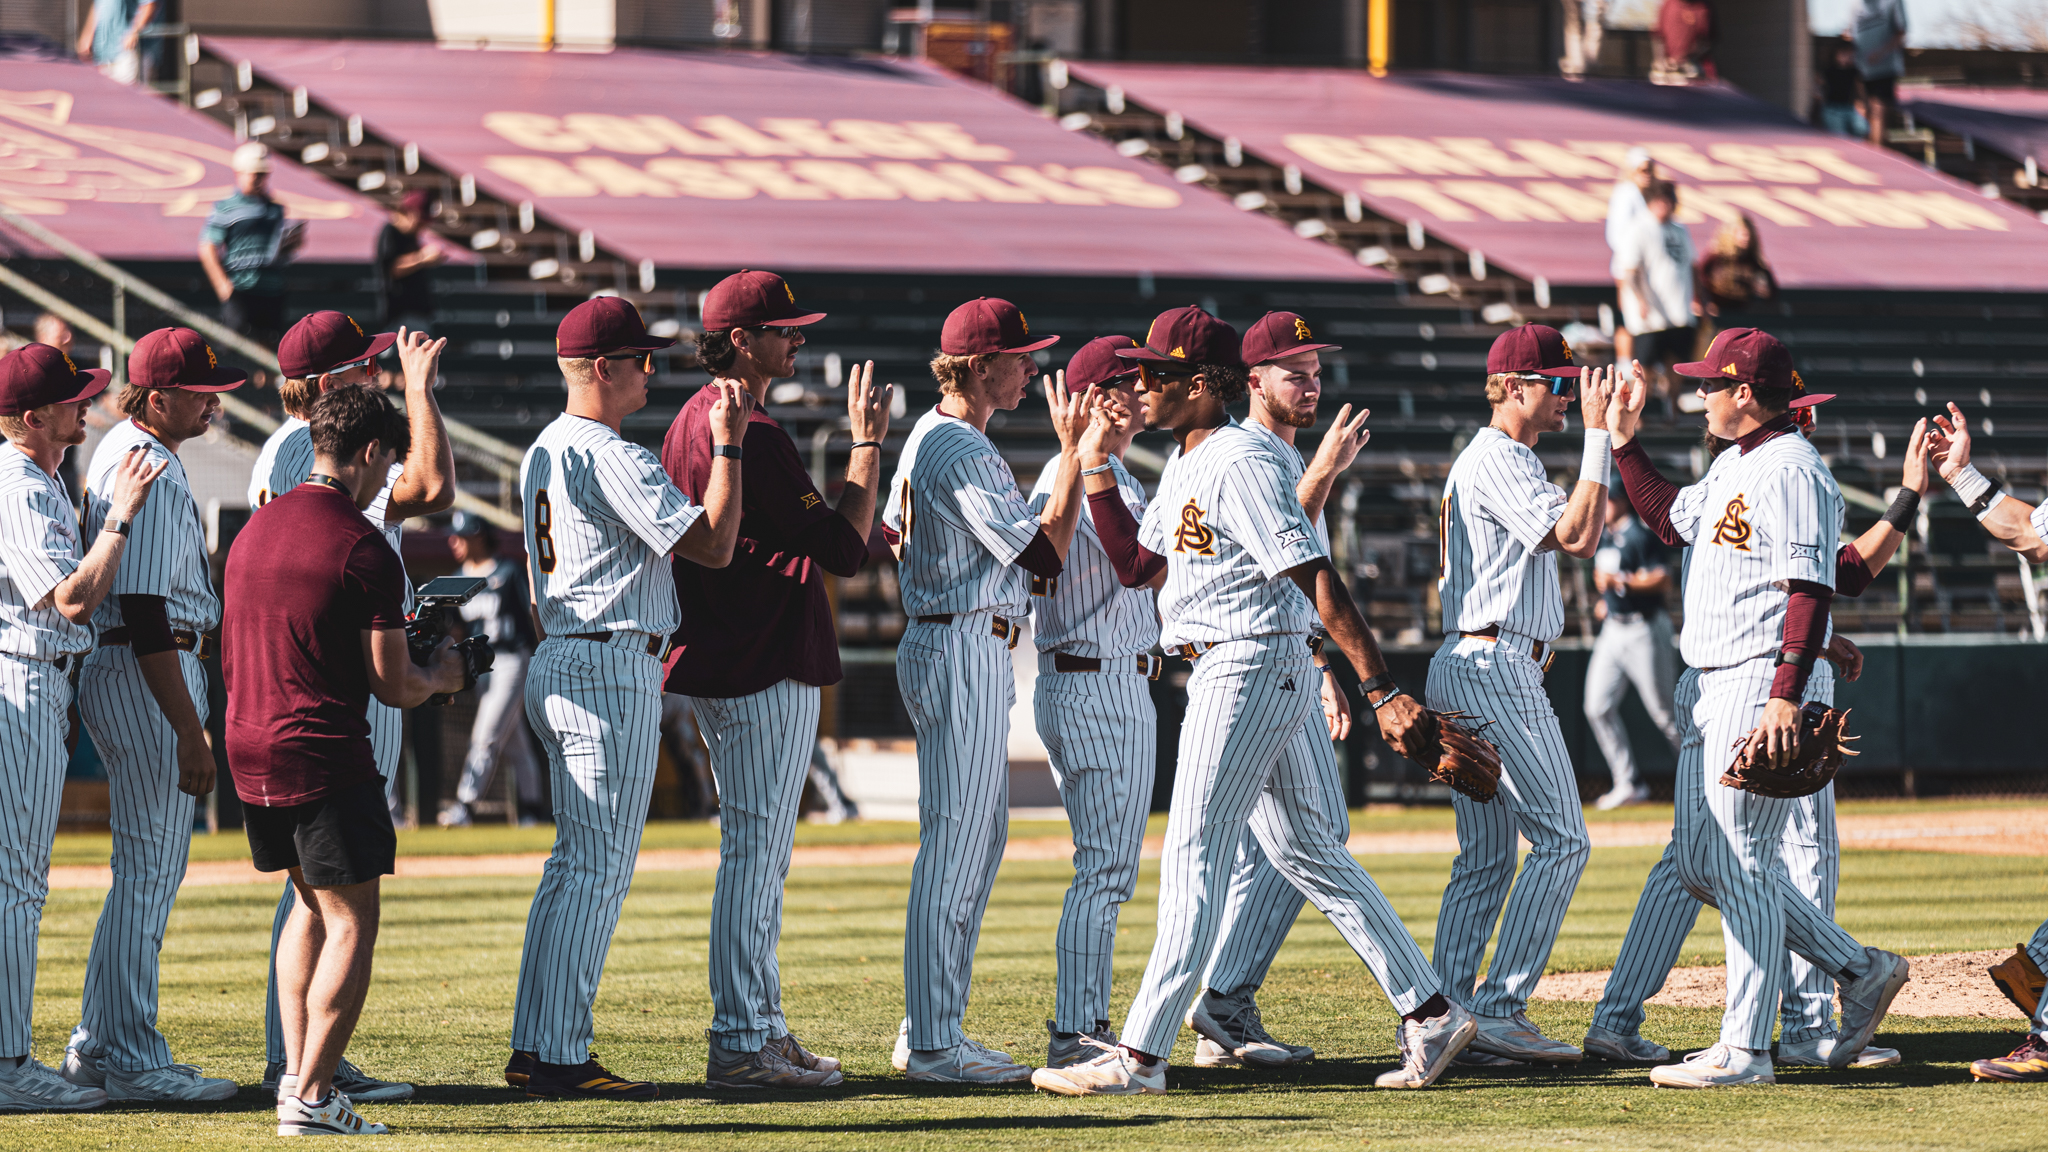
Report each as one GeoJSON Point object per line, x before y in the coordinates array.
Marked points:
{"type": "Point", "coordinates": [1287, 685]}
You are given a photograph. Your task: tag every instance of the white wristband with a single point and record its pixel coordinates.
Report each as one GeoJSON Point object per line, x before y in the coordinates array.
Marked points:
{"type": "Point", "coordinates": [1599, 455]}
{"type": "Point", "coordinates": [1970, 485]}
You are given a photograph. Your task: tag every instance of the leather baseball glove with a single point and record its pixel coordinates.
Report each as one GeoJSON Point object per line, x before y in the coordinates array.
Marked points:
{"type": "Point", "coordinates": [1465, 760]}
{"type": "Point", "coordinates": [1823, 747]}
{"type": "Point", "coordinates": [2020, 980]}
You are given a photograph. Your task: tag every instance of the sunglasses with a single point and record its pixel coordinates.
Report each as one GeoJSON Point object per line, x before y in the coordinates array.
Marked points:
{"type": "Point", "coordinates": [646, 359]}
{"type": "Point", "coordinates": [351, 366]}
{"type": "Point", "coordinates": [1559, 385]}
{"type": "Point", "coordinates": [787, 332]}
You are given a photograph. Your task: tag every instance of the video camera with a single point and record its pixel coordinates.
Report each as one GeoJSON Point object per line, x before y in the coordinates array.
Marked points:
{"type": "Point", "coordinates": [434, 616]}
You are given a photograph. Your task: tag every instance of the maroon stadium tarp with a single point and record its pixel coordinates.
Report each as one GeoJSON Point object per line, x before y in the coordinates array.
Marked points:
{"type": "Point", "coordinates": [714, 160]}
{"type": "Point", "coordinates": [2012, 120]}
{"type": "Point", "coordinates": [132, 176]}
{"type": "Point", "coordinates": [1521, 168]}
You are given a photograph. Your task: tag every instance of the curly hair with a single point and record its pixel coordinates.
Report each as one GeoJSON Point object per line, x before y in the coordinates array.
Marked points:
{"type": "Point", "coordinates": [347, 417]}
{"type": "Point", "coordinates": [1229, 383]}
{"type": "Point", "coordinates": [715, 351]}
{"type": "Point", "coordinates": [955, 374]}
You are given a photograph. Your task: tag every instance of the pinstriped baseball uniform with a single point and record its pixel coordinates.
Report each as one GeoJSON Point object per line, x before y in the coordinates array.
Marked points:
{"type": "Point", "coordinates": [39, 549]}
{"type": "Point", "coordinates": [1229, 524]}
{"type": "Point", "coordinates": [283, 464]}
{"type": "Point", "coordinates": [1498, 506]}
{"type": "Point", "coordinates": [1101, 734]}
{"type": "Point", "coordinates": [962, 524]}
{"type": "Point", "coordinates": [601, 520]}
{"type": "Point", "coordinates": [152, 820]}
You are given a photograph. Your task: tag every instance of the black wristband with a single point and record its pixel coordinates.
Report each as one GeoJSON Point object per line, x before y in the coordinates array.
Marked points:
{"type": "Point", "coordinates": [732, 450]}
{"type": "Point", "coordinates": [1905, 506]}
{"type": "Point", "coordinates": [875, 444]}
{"type": "Point", "coordinates": [1800, 660]}
{"type": "Point", "coordinates": [1983, 503]}
{"type": "Point", "coordinates": [1367, 687]}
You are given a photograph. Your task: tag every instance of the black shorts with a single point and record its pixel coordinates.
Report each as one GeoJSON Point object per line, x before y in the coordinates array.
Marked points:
{"type": "Point", "coordinates": [1665, 347]}
{"type": "Point", "coordinates": [1885, 88]}
{"type": "Point", "coordinates": [342, 838]}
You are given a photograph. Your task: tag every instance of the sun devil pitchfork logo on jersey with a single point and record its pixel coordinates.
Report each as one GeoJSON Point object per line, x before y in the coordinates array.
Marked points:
{"type": "Point", "coordinates": [1733, 528]}
{"type": "Point", "coordinates": [1194, 536]}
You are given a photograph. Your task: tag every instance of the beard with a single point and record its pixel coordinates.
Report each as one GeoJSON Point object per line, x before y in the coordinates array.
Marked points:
{"type": "Point", "coordinates": [1286, 416]}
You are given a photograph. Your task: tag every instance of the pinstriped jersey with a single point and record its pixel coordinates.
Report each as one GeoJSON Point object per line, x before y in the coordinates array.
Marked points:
{"type": "Point", "coordinates": [285, 462]}
{"type": "Point", "coordinates": [2039, 520]}
{"type": "Point", "coordinates": [1229, 523]}
{"type": "Point", "coordinates": [962, 521]}
{"type": "Point", "coordinates": [601, 520]}
{"type": "Point", "coordinates": [1086, 611]}
{"type": "Point", "coordinates": [1497, 508]}
{"type": "Point", "coordinates": [39, 549]}
{"type": "Point", "coordinates": [1291, 455]}
{"type": "Point", "coordinates": [166, 551]}
{"type": "Point", "coordinates": [1756, 521]}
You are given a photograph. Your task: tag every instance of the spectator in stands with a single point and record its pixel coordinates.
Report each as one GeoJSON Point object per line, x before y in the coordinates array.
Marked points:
{"type": "Point", "coordinates": [1624, 205]}
{"type": "Point", "coordinates": [1733, 278]}
{"type": "Point", "coordinates": [1841, 90]}
{"type": "Point", "coordinates": [111, 37]}
{"type": "Point", "coordinates": [1879, 29]}
{"type": "Point", "coordinates": [1632, 572]}
{"type": "Point", "coordinates": [502, 613]}
{"type": "Point", "coordinates": [1653, 274]}
{"type": "Point", "coordinates": [55, 331]}
{"type": "Point", "coordinates": [244, 248]}
{"type": "Point", "coordinates": [1687, 29]}
{"type": "Point", "coordinates": [404, 253]}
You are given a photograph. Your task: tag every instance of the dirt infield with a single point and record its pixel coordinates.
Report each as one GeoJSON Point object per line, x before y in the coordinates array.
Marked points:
{"type": "Point", "coordinates": [1950, 984]}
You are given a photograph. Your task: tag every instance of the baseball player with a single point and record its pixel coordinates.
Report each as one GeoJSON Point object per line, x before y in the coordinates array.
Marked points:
{"type": "Point", "coordinates": [600, 517]}
{"type": "Point", "coordinates": [1764, 522]}
{"type": "Point", "coordinates": [322, 350]}
{"type": "Point", "coordinates": [1093, 705]}
{"type": "Point", "coordinates": [1237, 559]}
{"type": "Point", "coordinates": [1810, 853]}
{"type": "Point", "coordinates": [503, 614]}
{"type": "Point", "coordinates": [1634, 647]}
{"type": "Point", "coordinates": [2023, 529]}
{"type": "Point", "coordinates": [49, 588]}
{"type": "Point", "coordinates": [1503, 524]}
{"type": "Point", "coordinates": [1285, 382]}
{"type": "Point", "coordinates": [142, 695]}
{"type": "Point", "coordinates": [967, 544]}
{"type": "Point", "coordinates": [752, 669]}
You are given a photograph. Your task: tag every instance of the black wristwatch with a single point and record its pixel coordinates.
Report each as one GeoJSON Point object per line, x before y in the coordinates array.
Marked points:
{"type": "Point", "coordinates": [117, 526]}
{"type": "Point", "coordinates": [732, 450]}
{"type": "Point", "coordinates": [1367, 687]}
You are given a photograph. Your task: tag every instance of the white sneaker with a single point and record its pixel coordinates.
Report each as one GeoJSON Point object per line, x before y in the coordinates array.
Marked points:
{"type": "Point", "coordinates": [33, 1086]}
{"type": "Point", "coordinates": [1865, 1000]}
{"type": "Point", "coordinates": [1428, 1047]}
{"type": "Point", "coordinates": [1716, 1067]}
{"type": "Point", "coordinates": [1061, 1053]}
{"type": "Point", "coordinates": [1112, 1072]}
{"type": "Point", "coordinates": [966, 1063]}
{"type": "Point", "coordinates": [1517, 1039]}
{"type": "Point", "coordinates": [1234, 1029]}
{"type": "Point", "coordinates": [1622, 798]}
{"type": "Point", "coordinates": [1814, 1054]}
{"type": "Point", "coordinates": [900, 1058]}
{"type": "Point", "coordinates": [455, 815]}
{"type": "Point", "coordinates": [1615, 1048]}
{"type": "Point", "coordinates": [82, 1070]}
{"type": "Point", "coordinates": [173, 1083]}
{"type": "Point", "coordinates": [336, 1117]}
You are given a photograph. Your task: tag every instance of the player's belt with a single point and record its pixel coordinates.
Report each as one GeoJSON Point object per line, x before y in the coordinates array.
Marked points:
{"type": "Point", "coordinates": [1194, 648]}
{"type": "Point", "coordinates": [648, 642]}
{"type": "Point", "coordinates": [1540, 652]}
{"type": "Point", "coordinates": [1148, 665]}
{"type": "Point", "coordinates": [1000, 628]}
{"type": "Point", "coordinates": [193, 642]}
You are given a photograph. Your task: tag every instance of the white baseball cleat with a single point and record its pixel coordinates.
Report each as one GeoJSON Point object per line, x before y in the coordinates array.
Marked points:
{"type": "Point", "coordinates": [173, 1083]}
{"type": "Point", "coordinates": [1236, 1035]}
{"type": "Point", "coordinates": [900, 1058]}
{"type": "Point", "coordinates": [82, 1070]}
{"type": "Point", "coordinates": [1814, 1054]}
{"type": "Point", "coordinates": [1517, 1039]}
{"type": "Point", "coordinates": [1428, 1047]}
{"type": "Point", "coordinates": [1716, 1067]}
{"type": "Point", "coordinates": [33, 1086]}
{"type": "Point", "coordinates": [1622, 798]}
{"type": "Point", "coordinates": [1112, 1072]}
{"type": "Point", "coordinates": [1615, 1048]}
{"type": "Point", "coordinates": [966, 1063]}
{"type": "Point", "coordinates": [1061, 1053]}
{"type": "Point", "coordinates": [332, 1117]}
{"type": "Point", "coordinates": [1865, 1000]}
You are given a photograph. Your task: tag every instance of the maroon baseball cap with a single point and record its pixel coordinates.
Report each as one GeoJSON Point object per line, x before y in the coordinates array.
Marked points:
{"type": "Point", "coordinates": [36, 374]}
{"type": "Point", "coordinates": [1279, 334]}
{"type": "Point", "coordinates": [1098, 363]}
{"type": "Point", "coordinates": [1191, 336]}
{"type": "Point", "coordinates": [605, 324]}
{"type": "Point", "coordinates": [753, 300]}
{"type": "Point", "coordinates": [1746, 356]}
{"type": "Point", "coordinates": [179, 358]}
{"type": "Point", "coordinates": [324, 341]}
{"type": "Point", "coordinates": [1536, 348]}
{"type": "Point", "coordinates": [986, 324]}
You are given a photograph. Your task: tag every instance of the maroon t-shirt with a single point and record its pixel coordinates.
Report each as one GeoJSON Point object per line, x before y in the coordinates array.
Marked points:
{"type": "Point", "coordinates": [304, 578]}
{"type": "Point", "coordinates": [763, 618]}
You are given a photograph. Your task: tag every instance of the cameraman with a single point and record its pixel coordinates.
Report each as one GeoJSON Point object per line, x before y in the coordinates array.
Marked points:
{"type": "Point", "coordinates": [315, 626]}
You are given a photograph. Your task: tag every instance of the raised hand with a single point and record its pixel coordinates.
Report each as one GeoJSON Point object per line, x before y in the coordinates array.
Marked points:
{"type": "Point", "coordinates": [1916, 472]}
{"type": "Point", "coordinates": [420, 357]}
{"type": "Point", "coordinates": [1625, 404]}
{"type": "Point", "coordinates": [867, 407]}
{"type": "Point", "coordinates": [132, 479]}
{"type": "Point", "coordinates": [1342, 443]}
{"type": "Point", "coordinates": [730, 412]}
{"type": "Point", "coordinates": [1069, 410]}
{"type": "Point", "coordinates": [1596, 393]}
{"type": "Point", "coordinates": [1949, 443]}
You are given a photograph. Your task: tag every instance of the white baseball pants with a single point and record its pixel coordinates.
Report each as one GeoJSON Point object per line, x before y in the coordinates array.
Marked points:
{"type": "Point", "coordinates": [33, 697]}
{"type": "Point", "coordinates": [1637, 651]}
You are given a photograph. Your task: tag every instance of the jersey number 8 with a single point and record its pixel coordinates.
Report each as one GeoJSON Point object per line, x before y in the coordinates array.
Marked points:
{"type": "Point", "coordinates": [543, 532]}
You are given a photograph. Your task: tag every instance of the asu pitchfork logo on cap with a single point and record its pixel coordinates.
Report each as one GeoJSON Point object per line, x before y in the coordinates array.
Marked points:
{"type": "Point", "coordinates": [1300, 329]}
{"type": "Point", "coordinates": [1732, 528]}
{"type": "Point", "coordinates": [1193, 536]}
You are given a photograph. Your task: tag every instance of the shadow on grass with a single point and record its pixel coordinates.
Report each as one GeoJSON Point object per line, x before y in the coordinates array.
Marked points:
{"type": "Point", "coordinates": [815, 1127]}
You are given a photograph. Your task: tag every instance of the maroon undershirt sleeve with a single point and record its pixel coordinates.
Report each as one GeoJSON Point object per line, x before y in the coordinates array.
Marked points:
{"type": "Point", "coordinates": [149, 627]}
{"type": "Point", "coordinates": [1040, 558]}
{"type": "Point", "coordinates": [1648, 491]}
{"type": "Point", "coordinates": [1852, 572]}
{"type": "Point", "coordinates": [1806, 626]}
{"type": "Point", "coordinates": [1136, 565]}
{"type": "Point", "coordinates": [833, 543]}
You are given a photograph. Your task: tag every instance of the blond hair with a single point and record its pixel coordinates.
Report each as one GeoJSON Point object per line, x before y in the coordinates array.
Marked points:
{"type": "Point", "coordinates": [955, 374]}
{"type": "Point", "coordinates": [298, 393]}
{"type": "Point", "coordinates": [578, 371]}
{"type": "Point", "coordinates": [16, 428]}
{"type": "Point", "coordinates": [1497, 386]}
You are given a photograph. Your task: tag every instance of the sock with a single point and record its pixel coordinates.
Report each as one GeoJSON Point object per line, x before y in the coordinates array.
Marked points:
{"type": "Point", "coordinates": [1430, 1009]}
{"type": "Point", "coordinates": [1141, 1058]}
{"type": "Point", "coordinates": [1102, 1025]}
{"type": "Point", "coordinates": [1064, 1035]}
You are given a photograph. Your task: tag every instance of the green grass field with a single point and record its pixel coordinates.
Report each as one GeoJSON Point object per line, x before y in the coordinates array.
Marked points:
{"type": "Point", "coordinates": [440, 1010]}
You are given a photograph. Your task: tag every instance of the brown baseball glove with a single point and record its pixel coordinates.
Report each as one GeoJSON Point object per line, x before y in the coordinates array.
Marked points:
{"type": "Point", "coordinates": [2020, 979]}
{"type": "Point", "coordinates": [1823, 746]}
{"type": "Point", "coordinates": [1465, 760]}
